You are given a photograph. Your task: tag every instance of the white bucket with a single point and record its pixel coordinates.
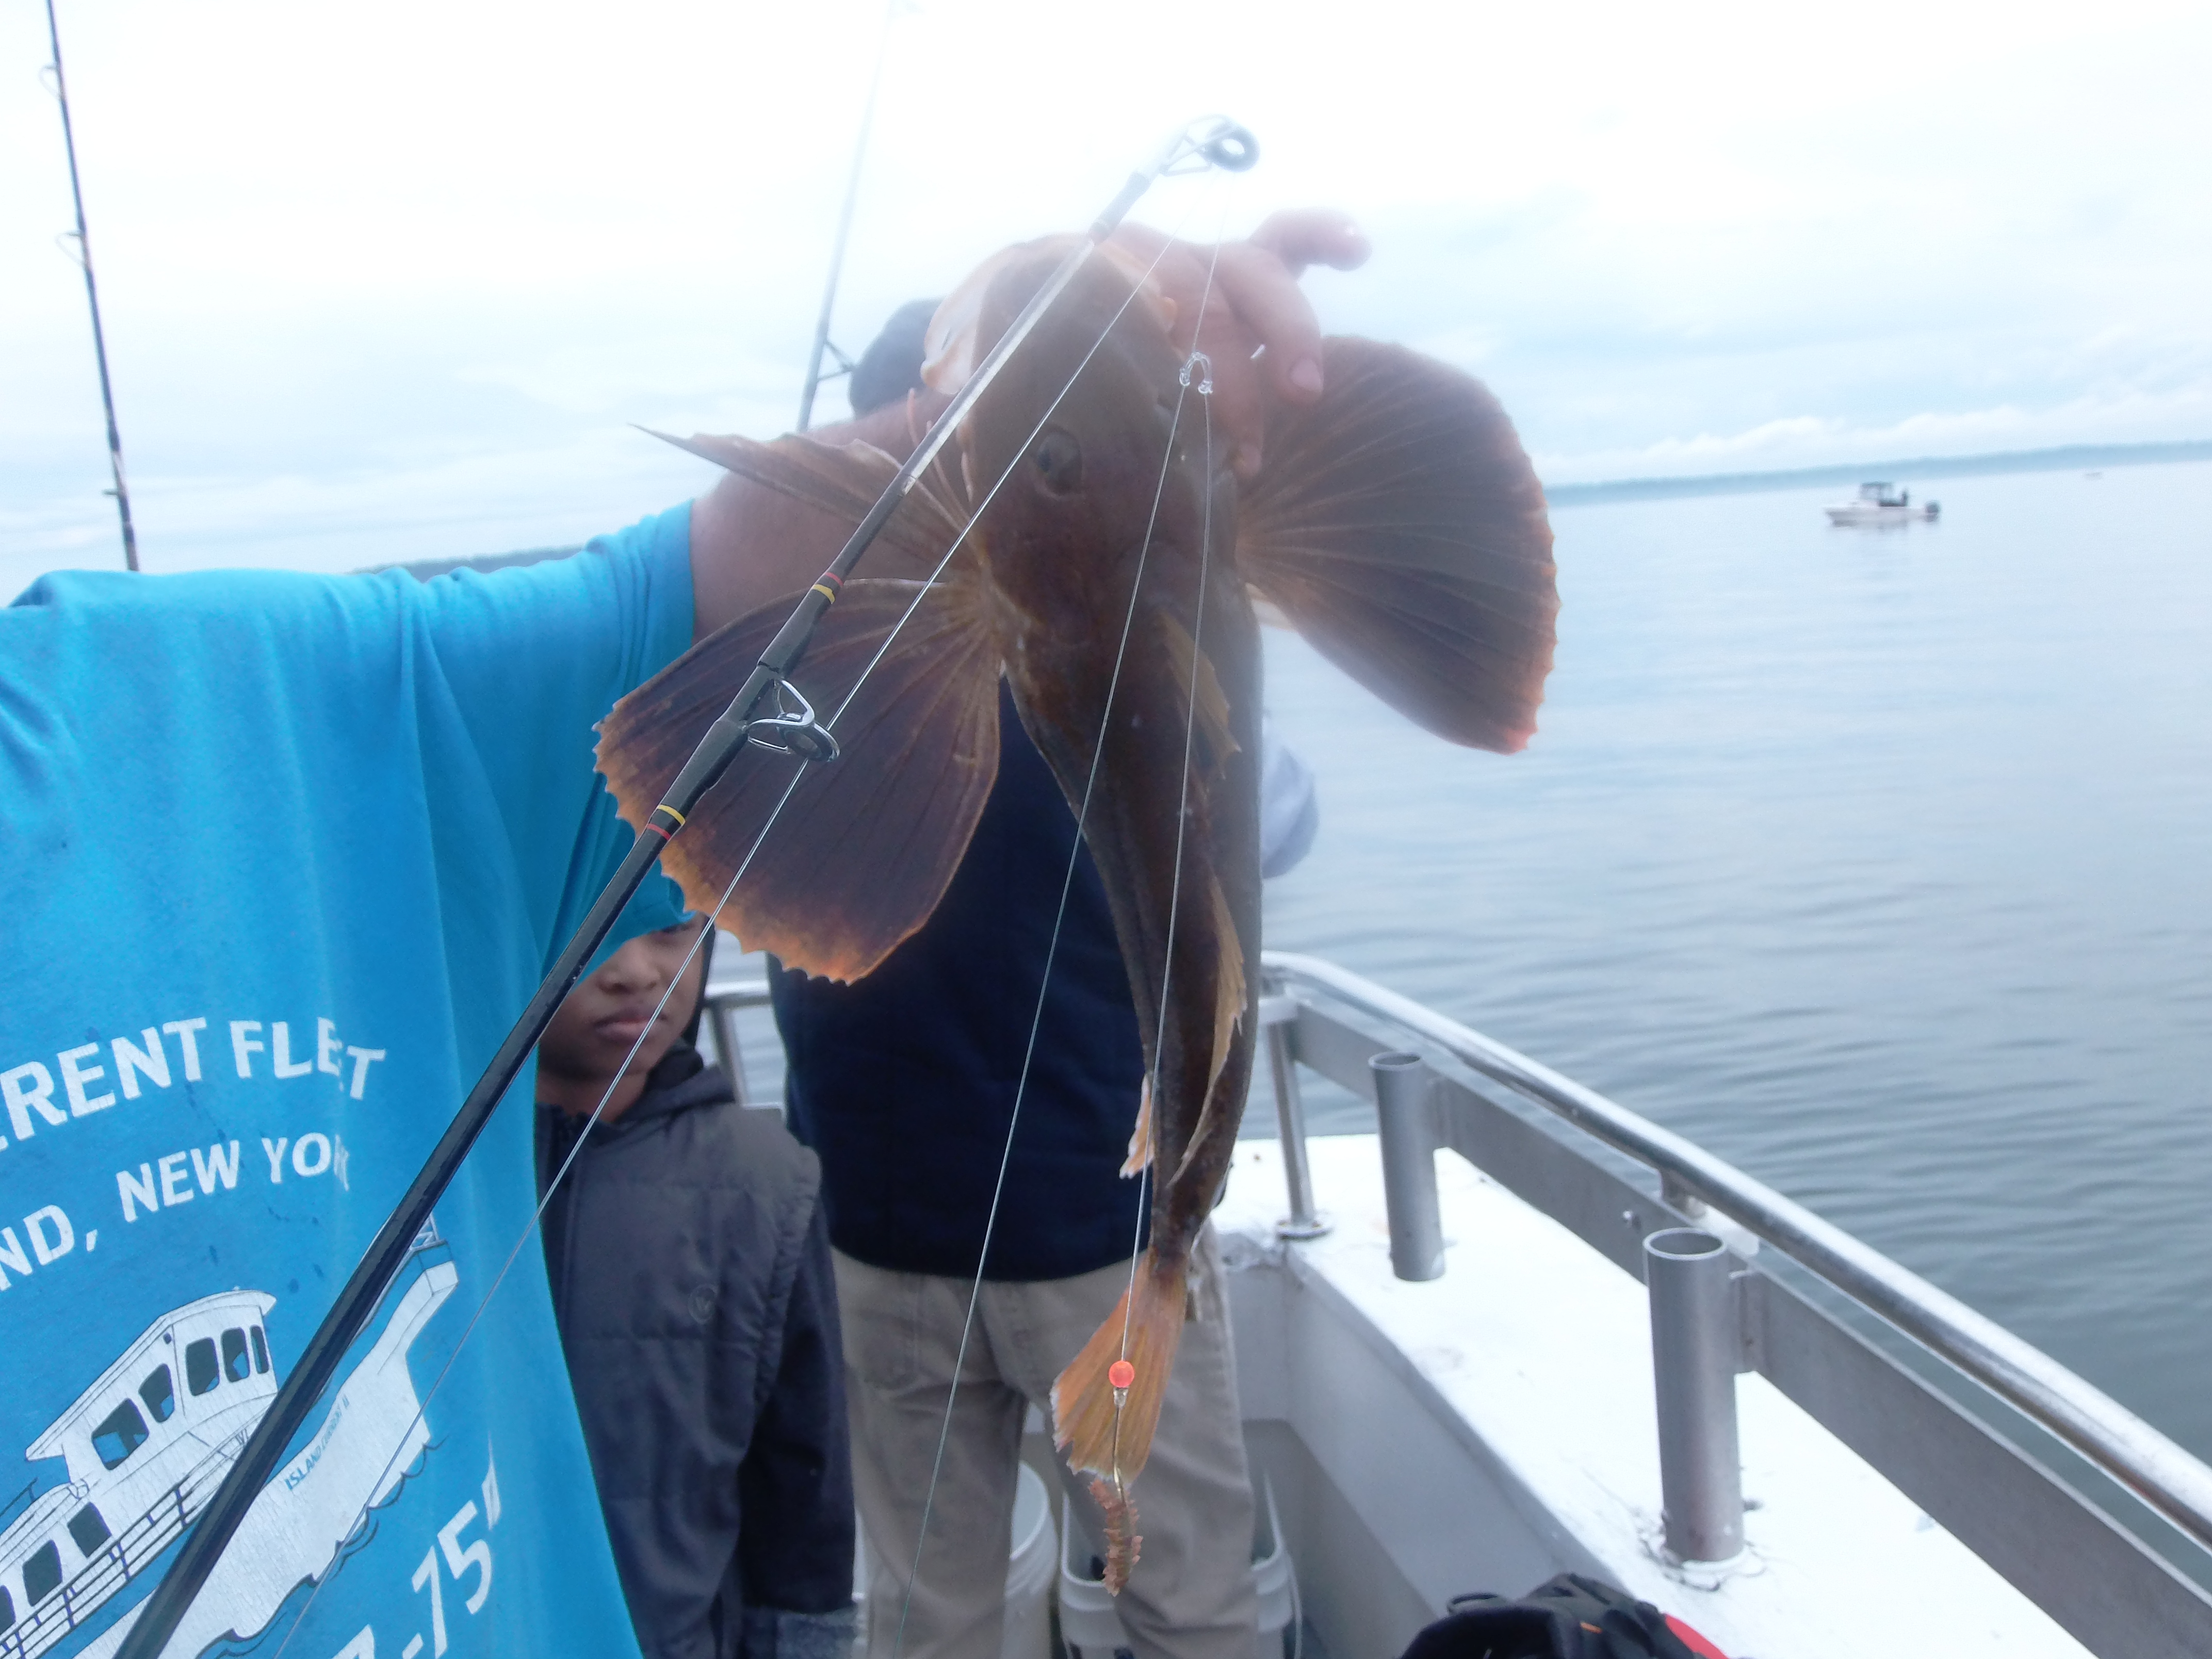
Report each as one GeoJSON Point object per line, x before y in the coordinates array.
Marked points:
{"type": "Point", "coordinates": [1092, 1630]}
{"type": "Point", "coordinates": [1029, 1571]}
{"type": "Point", "coordinates": [1032, 1550]}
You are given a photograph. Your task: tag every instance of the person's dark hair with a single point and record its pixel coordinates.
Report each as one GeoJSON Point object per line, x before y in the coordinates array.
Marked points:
{"type": "Point", "coordinates": [892, 365]}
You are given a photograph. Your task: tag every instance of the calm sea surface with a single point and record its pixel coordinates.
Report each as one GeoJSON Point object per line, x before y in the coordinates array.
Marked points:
{"type": "Point", "coordinates": [1880, 863]}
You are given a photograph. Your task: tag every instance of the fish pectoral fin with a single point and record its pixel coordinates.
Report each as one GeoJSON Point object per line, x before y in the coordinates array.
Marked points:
{"type": "Point", "coordinates": [857, 857]}
{"type": "Point", "coordinates": [1140, 1141]}
{"type": "Point", "coordinates": [1397, 525]}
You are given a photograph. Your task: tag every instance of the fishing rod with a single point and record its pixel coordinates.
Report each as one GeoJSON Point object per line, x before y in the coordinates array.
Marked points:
{"type": "Point", "coordinates": [786, 724]}
{"type": "Point", "coordinates": [730, 888]}
{"type": "Point", "coordinates": [84, 256]}
{"type": "Point", "coordinates": [844, 227]}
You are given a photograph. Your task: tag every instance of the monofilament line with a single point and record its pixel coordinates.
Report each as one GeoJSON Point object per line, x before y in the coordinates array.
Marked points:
{"type": "Point", "coordinates": [1060, 916]}
{"type": "Point", "coordinates": [1028, 1050]}
{"type": "Point", "coordinates": [714, 917]}
{"type": "Point", "coordinates": [1175, 881]}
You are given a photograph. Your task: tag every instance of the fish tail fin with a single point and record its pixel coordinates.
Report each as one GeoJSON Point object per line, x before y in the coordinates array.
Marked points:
{"type": "Point", "coordinates": [1105, 1431]}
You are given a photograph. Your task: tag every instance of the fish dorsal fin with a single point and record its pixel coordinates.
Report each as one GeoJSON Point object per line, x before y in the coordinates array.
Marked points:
{"type": "Point", "coordinates": [1398, 525]}
{"type": "Point", "coordinates": [858, 858]}
{"type": "Point", "coordinates": [845, 480]}
{"type": "Point", "coordinates": [1211, 712]}
{"type": "Point", "coordinates": [1141, 1138]}
{"type": "Point", "coordinates": [1230, 992]}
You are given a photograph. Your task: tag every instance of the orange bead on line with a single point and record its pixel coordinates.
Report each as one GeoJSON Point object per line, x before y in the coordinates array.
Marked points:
{"type": "Point", "coordinates": [1121, 1374]}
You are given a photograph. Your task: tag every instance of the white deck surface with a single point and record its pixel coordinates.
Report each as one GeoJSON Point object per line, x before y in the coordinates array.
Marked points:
{"type": "Point", "coordinates": [1541, 1349]}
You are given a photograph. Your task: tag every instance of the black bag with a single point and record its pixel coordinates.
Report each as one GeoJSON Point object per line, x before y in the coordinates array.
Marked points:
{"type": "Point", "coordinates": [1569, 1617]}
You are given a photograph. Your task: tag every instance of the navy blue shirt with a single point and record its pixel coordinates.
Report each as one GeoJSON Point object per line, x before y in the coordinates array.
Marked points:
{"type": "Point", "coordinates": [904, 1082]}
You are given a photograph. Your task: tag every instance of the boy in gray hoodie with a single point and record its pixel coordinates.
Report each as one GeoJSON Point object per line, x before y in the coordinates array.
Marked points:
{"type": "Point", "coordinates": [690, 1265]}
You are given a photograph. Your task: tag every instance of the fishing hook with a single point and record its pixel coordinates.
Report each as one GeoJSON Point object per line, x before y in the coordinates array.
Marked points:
{"type": "Point", "coordinates": [256, 1463]}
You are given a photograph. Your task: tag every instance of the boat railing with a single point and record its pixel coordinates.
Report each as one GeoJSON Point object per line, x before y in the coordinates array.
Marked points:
{"type": "Point", "coordinates": [2110, 1589]}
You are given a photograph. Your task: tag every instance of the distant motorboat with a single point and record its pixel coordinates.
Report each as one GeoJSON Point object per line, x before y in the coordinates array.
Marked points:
{"type": "Point", "coordinates": [1882, 503]}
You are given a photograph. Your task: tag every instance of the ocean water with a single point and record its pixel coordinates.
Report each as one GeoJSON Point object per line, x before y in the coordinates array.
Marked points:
{"type": "Point", "coordinates": [1879, 862]}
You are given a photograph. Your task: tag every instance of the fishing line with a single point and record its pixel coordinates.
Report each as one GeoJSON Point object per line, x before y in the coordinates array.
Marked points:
{"type": "Point", "coordinates": [1175, 886]}
{"type": "Point", "coordinates": [1205, 390]}
{"type": "Point", "coordinates": [1059, 913]}
{"type": "Point", "coordinates": [1036, 1018]}
{"type": "Point", "coordinates": [1214, 142]}
{"type": "Point", "coordinates": [713, 916]}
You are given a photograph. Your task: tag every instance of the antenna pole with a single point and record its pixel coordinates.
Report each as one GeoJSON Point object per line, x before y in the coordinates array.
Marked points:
{"type": "Point", "coordinates": [121, 492]}
{"type": "Point", "coordinates": [844, 221]}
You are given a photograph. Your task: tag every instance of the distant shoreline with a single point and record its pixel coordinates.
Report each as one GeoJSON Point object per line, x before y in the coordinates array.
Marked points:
{"type": "Point", "coordinates": [2066, 459]}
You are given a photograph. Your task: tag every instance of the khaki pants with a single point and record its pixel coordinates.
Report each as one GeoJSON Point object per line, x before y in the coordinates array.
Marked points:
{"type": "Point", "coordinates": [1191, 1595]}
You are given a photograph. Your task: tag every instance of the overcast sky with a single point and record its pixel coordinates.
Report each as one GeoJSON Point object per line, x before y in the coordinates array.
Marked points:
{"type": "Point", "coordinates": [393, 282]}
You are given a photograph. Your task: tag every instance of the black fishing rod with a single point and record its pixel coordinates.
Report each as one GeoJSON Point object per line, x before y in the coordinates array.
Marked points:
{"type": "Point", "coordinates": [844, 227]}
{"type": "Point", "coordinates": [121, 492]}
{"type": "Point", "coordinates": [1215, 143]}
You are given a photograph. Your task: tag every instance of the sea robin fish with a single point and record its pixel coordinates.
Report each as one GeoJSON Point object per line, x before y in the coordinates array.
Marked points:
{"type": "Point", "coordinates": [1396, 524]}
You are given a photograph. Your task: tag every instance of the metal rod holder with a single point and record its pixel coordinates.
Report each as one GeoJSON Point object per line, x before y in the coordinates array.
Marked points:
{"type": "Point", "coordinates": [726, 1050]}
{"type": "Point", "coordinates": [1278, 1018]}
{"type": "Point", "coordinates": [1406, 1111]}
{"type": "Point", "coordinates": [1696, 1352]}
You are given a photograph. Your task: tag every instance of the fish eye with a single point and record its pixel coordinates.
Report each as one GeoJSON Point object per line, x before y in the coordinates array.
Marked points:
{"type": "Point", "coordinates": [1059, 462]}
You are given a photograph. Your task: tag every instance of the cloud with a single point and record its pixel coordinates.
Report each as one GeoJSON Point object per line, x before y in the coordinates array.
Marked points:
{"type": "Point", "coordinates": [353, 285]}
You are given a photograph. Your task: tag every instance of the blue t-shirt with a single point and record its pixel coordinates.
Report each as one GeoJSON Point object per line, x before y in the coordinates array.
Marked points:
{"type": "Point", "coordinates": [286, 855]}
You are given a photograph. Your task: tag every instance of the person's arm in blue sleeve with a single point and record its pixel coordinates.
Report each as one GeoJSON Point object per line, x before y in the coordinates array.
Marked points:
{"type": "Point", "coordinates": [1289, 815]}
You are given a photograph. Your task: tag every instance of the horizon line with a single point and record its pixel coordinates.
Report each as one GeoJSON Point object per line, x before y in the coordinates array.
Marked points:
{"type": "Point", "coordinates": [2061, 458]}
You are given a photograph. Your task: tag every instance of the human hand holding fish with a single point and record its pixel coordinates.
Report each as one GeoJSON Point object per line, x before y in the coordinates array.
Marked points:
{"type": "Point", "coordinates": [1240, 303]}
{"type": "Point", "coordinates": [1237, 301]}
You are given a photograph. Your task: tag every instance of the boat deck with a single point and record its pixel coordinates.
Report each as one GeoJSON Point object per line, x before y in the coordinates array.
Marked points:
{"type": "Point", "coordinates": [1489, 1428]}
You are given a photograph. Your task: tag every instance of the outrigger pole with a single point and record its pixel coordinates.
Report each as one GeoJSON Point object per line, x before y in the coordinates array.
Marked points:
{"type": "Point", "coordinates": [844, 227]}
{"type": "Point", "coordinates": [122, 491]}
{"type": "Point", "coordinates": [1215, 143]}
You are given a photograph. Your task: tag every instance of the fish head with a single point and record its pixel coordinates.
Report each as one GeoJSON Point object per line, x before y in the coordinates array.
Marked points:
{"type": "Point", "coordinates": [1082, 426]}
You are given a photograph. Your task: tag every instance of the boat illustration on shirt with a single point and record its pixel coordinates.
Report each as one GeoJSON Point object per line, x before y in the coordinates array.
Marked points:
{"type": "Point", "coordinates": [149, 1441]}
